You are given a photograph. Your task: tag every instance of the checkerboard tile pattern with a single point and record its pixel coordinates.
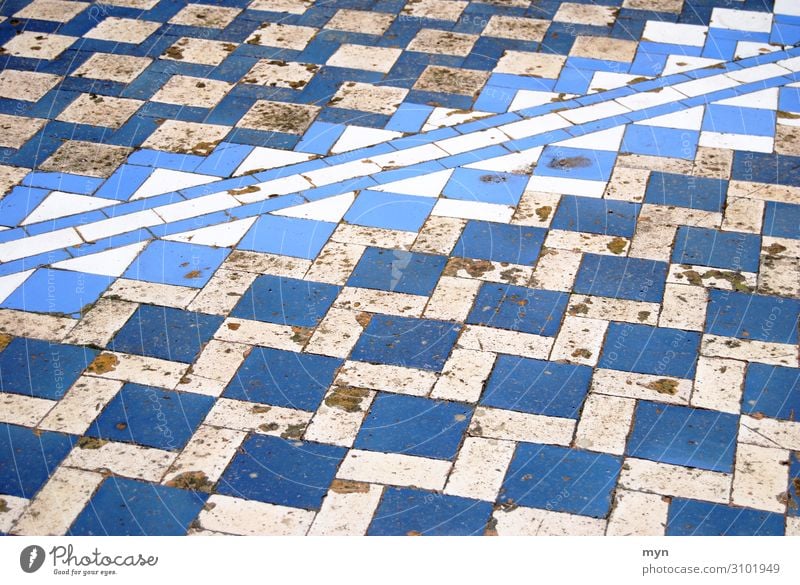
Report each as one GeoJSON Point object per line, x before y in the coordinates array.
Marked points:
{"type": "Point", "coordinates": [377, 267]}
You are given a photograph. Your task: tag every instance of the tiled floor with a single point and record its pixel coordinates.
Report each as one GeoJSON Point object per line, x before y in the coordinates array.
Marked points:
{"type": "Point", "coordinates": [399, 267]}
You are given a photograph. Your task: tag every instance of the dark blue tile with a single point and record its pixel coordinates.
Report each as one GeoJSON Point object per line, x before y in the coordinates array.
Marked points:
{"type": "Point", "coordinates": [772, 391]}
{"type": "Point", "coordinates": [618, 277]}
{"type": "Point", "coordinates": [717, 248]}
{"type": "Point", "coordinates": [126, 507]}
{"type": "Point", "coordinates": [596, 216]}
{"type": "Point", "coordinates": [411, 425]}
{"type": "Point", "coordinates": [500, 242]}
{"type": "Point", "coordinates": [404, 341]}
{"type": "Point", "coordinates": [278, 471]}
{"type": "Point", "coordinates": [154, 417]}
{"type": "Point", "coordinates": [537, 386]}
{"type": "Point", "coordinates": [518, 308]}
{"type": "Point", "coordinates": [561, 479]}
{"type": "Point", "coordinates": [686, 191]}
{"type": "Point", "coordinates": [283, 378]}
{"type": "Point", "coordinates": [40, 368]}
{"type": "Point", "coordinates": [763, 318]}
{"type": "Point", "coordinates": [775, 169]}
{"type": "Point", "coordinates": [650, 350]}
{"type": "Point", "coordinates": [165, 333]}
{"type": "Point", "coordinates": [695, 518]}
{"type": "Point", "coordinates": [684, 436]}
{"type": "Point", "coordinates": [407, 511]}
{"type": "Point", "coordinates": [781, 220]}
{"type": "Point", "coordinates": [485, 186]}
{"type": "Point", "coordinates": [398, 271]}
{"type": "Point", "coordinates": [286, 301]}
{"type": "Point", "coordinates": [28, 457]}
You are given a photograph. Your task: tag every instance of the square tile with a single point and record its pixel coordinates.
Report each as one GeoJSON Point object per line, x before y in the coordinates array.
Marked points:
{"type": "Point", "coordinates": [153, 417]}
{"type": "Point", "coordinates": [485, 186]}
{"type": "Point", "coordinates": [36, 45]}
{"type": "Point", "coordinates": [411, 425]}
{"type": "Point", "coordinates": [403, 341]}
{"type": "Point", "coordinates": [165, 333]}
{"type": "Point", "coordinates": [736, 120]}
{"type": "Point", "coordinates": [575, 163]}
{"type": "Point", "coordinates": [42, 369]}
{"type": "Point", "coordinates": [28, 457]}
{"type": "Point", "coordinates": [516, 28]}
{"type": "Point", "coordinates": [199, 51]}
{"type": "Point", "coordinates": [282, 36]}
{"type": "Point", "coordinates": [380, 59]}
{"type": "Point", "coordinates": [86, 158]}
{"type": "Point", "coordinates": [283, 378]}
{"type": "Point", "coordinates": [27, 86]}
{"type": "Point", "coordinates": [442, 42]}
{"type": "Point", "coordinates": [389, 210]}
{"type": "Point", "coordinates": [176, 263]}
{"type": "Point", "coordinates": [204, 15]}
{"type": "Point", "coordinates": [606, 48]}
{"type": "Point", "coordinates": [276, 73]}
{"type": "Point", "coordinates": [695, 518]}
{"type": "Point", "coordinates": [286, 301]}
{"type": "Point", "coordinates": [500, 242]}
{"type": "Point", "coordinates": [518, 308]}
{"type": "Point", "coordinates": [286, 6]}
{"type": "Point", "coordinates": [17, 130]}
{"type": "Point", "coordinates": [279, 117]}
{"type": "Point", "coordinates": [534, 64]}
{"type": "Point", "coordinates": [413, 512]}
{"type": "Point", "coordinates": [361, 21]}
{"type": "Point", "coordinates": [635, 279]}
{"type": "Point", "coordinates": [686, 191]}
{"type": "Point", "coordinates": [746, 316]}
{"type": "Point", "coordinates": [121, 68]}
{"type": "Point", "coordinates": [123, 30]}
{"type": "Point", "coordinates": [596, 216]}
{"type": "Point", "coordinates": [186, 137]}
{"type": "Point", "coordinates": [737, 251]}
{"type": "Point", "coordinates": [378, 99]}
{"type": "Point", "coordinates": [590, 14]}
{"type": "Point", "coordinates": [99, 110]}
{"type": "Point", "coordinates": [772, 391]}
{"type": "Point", "coordinates": [440, 79]}
{"type": "Point", "coordinates": [781, 220]}
{"type": "Point", "coordinates": [278, 471]}
{"type": "Point", "coordinates": [57, 291]}
{"type": "Point", "coordinates": [183, 90]}
{"type": "Point", "coordinates": [638, 348]}
{"type": "Point", "coordinates": [288, 236]}
{"type": "Point", "coordinates": [537, 386]}
{"type": "Point", "coordinates": [398, 271]}
{"type": "Point", "coordinates": [665, 142]}
{"type": "Point", "coordinates": [561, 479]}
{"type": "Point", "coordinates": [680, 435]}
{"type": "Point", "coordinates": [126, 507]}
{"type": "Point", "coordinates": [52, 10]}
{"type": "Point", "coordinates": [449, 10]}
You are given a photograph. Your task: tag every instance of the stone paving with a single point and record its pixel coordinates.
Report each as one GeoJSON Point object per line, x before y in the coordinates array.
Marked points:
{"type": "Point", "coordinates": [415, 267]}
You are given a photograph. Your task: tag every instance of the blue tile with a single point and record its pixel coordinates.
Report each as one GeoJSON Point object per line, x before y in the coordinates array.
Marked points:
{"type": "Point", "coordinates": [57, 291]}
{"type": "Point", "coordinates": [716, 248]}
{"type": "Point", "coordinates": [695, 518]}
{"type": "Point", "coordinates": [684, 436]}
{"type": "Point", "coordinates": [165, 333]}
{"type": "Point", "coordinates": [42, 369]}
{"type": "Point", "coordinates": [500, 242]}
{"type": "Point", "coordinates": [518, 308]}
{"type": "Point", "coordinates": [286, 301]}
{"type": "Point", "coordinates": [412, 425]}
{"type": "Point", "coordinates": [404, 341]}
{"type": "Point", "coordinates": [686, 191]}
{"type": "Point", "coordinates": [284, 472]}
{"type": "Point", "coordinates": [390, 210]}
{"type": "Point", "coordinates": [775, 169]}
{"type": "Point", "coordinates": [758, 317]}
{"type": "Point", "coordinates": [288, 236]}
{"type": "Point", "coordinates": [177, 263]}
{"type": "Point", "coordinates": [596, 216]}
{"type": "Point", "coordinates": [655, 141]}
{"type": "Point", "coordinates": [19, 203]}
{"type": "Point", "coordinates": [575, 163]}
{"type": "Point", "coordinates": [398, 271]}
{"type": "Point", "coordinates": [283, 378]}
{"type": "Point", "coordinates": [485, 186]}
{"type": "Point", "coordinates": [737, 120]}
{"type": "Point", "coordinates": [28, 457]}
{"type": "Point", "coordinates": [794, 484]}
{"type": "Point", "coordinates": [772, 391]}
{"type": "Point", "coordinates": [408, 511]}
{"type": "Point", "coordinates": [781, 220]}
{"type": "Point", "coordinates": [618, 277]}
{"type": "Point", "coordinates": [561, 479]}
{"type": "Point", "coordinates": [537, 386]}
{"type": "Point", "coordinates": [789, 99]}
{"type": "Point", "coordinates": [126, 507]}
{"type": "Point", "coordinates": [154, 417]}
{"type": "Point", "coordinates": [650, 350]}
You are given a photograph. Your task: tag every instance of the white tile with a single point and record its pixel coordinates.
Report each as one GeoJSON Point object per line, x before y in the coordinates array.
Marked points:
{"type": "Point", "coordinates": [766, 99]}
{"type": "Point", "coordinates": [681, 63]}
{"type": "Point", "coordinates": [338, 419]}
{"type": "Point", "coordinates": [109, 263]}
{"type": "Point", "coordinates": [407, 157]}
{"type": "Point", "coordinates": [495, 423]}
{"type": "Point", "coordinates": [166, 181]}
{"type": "Point", "coordinates": [479, 468]}
{"type": "Point", "coordinates": [746, 49]}
{"type": "Point", "coordinates": [777, 354]}
{"type": "Point", "coordinates": [24, 324]}
{"type": "Point", "coordinates": [688, 119]}
{"type": "Point", "coordinates": [769, 432]}
{"type": "Point", "coordinates": [534, 126]}
{"type": "Point", "coordinates": [652, 98]}
{"type": "Point", "coordinates": [262, 159]}
{"type": "Point", "coordinates": [527, 98]}
{"type": "Point", "coordinates": [788, 7]}
{"type": "Point", "coordinates": [793, 63]}
{"type": "Point", "coordinates": [675, 34]}
{"type": "Point", "coordinates": [728, 18]}
{"type": "Point", "coordinates": [267, 189]}
{"type": "Point", "coordinates": [224, 235]}
{"type": "Point", "coordinates": [705, 85]}
{"type": "Point", "coordinates": [637, 514]}
{"type": "Point", "coordinates": [464, 375]}
{"type": "Point", "coordinates": [521, 521]}
{"type": "Point", "coordinates": [99, 325]}
{"type": "Point", "coordinates": [452, 299]}
{"type": "Point", "coordinates": [737, 141]}
{"type": "Point", "coordinates": [675, 480]}
{"type": "Point", "coordinates": [196, 207]}
{"type": "Point", "coordinates": [336, 334]}
{"type": "Point", "coordinates": [80, 405]}
{"type": "Point", "coordinates": [579, 187]}
{"type": "Point", "coordinates": [252, 417]}
{"type": "Point", "coordinates": [330, 209]}
{"type": "Point", "coordinates": [347, 509]}
{"type": "Point", "coordinates": [604, 140]}
{"type": "Point", "coordinates": [516, 162]}
{"type": "Point", "coordinates": [358, 137]}
{"type": "Point", "coordinates": [124, 459]}
{"type": "Point", "coordinates": [208, 452]}
{"type": "Point", "coordinates": [386, 378]}
{"type": "Point", "coordinates": [594, 112]}
{"type": "Point", "coordinates": [380, 301]}
{"type": "Point", "coordinates": [579, 340]}
{"type": "Point", "coordinates": [32, 245]}
{"type": "Point", "coordinates": [502, 341]}
{"type": "Point", "coordinates": [341, 172]}
{"type": "Point", "coordinates": [641, 386]}
{"type": "Point", "coordinates": [606, 80]}
{"type": "Point", "coordinates": [472, 141]}
{"type": "Point", "coordinates": [59, 204]}
{"type": "Point", "coordinates": [10, 282]}
{"type": "Point", "coordinates": [604, 424]}
{"type": "Point", "coordinates": [251, 518]}
{"type": "Point", "coordinates": [394, 469]}
{"type": "Point", "coordinates": [473, 210]}
{"type": "Point", "coordinates": [119, 225]}
{"type": "Point", "coordinates": [26, 411]}
{"type": "Point", "coordinates": [760, 478]}
{"type": "Point", "coordinates": [429, 185]}
{"type": "Point", "coordinates": [757, 73]}
{"type": "Point", "coordinates": [442, 117]}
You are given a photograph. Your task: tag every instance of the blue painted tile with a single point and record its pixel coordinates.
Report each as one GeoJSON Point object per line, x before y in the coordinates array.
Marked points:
{"type": "Point", "coordinates": [286, 301]}
{"type": "Point", "coordinates": [19, 203]}
{"type": "Point", "coordinates": [596, 216]}
{"type": "Point", "coordinates": [404, 341]}
{"type": "Point", "coordinates": [390, 210]}
{"type": "Point", "coordinates": [537, 386]}
{"type": "Point", "coordinates": [127, 507]}
{"type": "Point", "coordinates": [177, 263]}
{"type": "Point", "coordinates": [166, 333]}
{"type": "Point", "coordinates": [412, 425]}
{"type": "Point", "coordinates": [781, 220]}
{"type": "Point", "coordinates": [794, 484]}
{"type": "Point", "coordinates": [518, 308]}
{"type": "Point", "coordinates": [716, 248]}
{"type": "Point", "coordinates": [485, 186]}
{"type": "Point", "coordinates": [775, 169]}
{"type": "Point", "coordinates": [28, 458]}
{"type": "Point", "coordinates": [758, 317]}
{"type": "Point", "coordinates": [284, 472]}
{"type": "Point", "coordinates": [772, 391]}
{"type": "Point", "coordinates": [686, 191]}
{"type": "Point", "coordinates": [398, 271]}
{"type": "Point", "coordinates": [288, 236]}
{"type": "Point", "coordinates": [154, 417]}
{"type": "Point", "coordinates": [41, 369]}
{"type": "Point", "coordinates": [737, 120]}
{"type": "Point", "coordinates": [650, 350]}
{"type": "Point", "coordinates": [500, 242]}
{"type": "Point", "coordinates": [561, 479]}
{"type": "Point", "coordinates": [684, 436]}
{"type": "Point", "coordinates": [408, 511]}
{"type": "Point", "coordinates": [57, 291]}
{"type": "Point", "coordinates": [618, 277]}
{"type": "Point", "coordinates": [789, 99]}
{"type": "Point", "coordinates": [575, 163]}
{"type": "Point", "coordinates": [696, 518]}
{"type": "Point", "coordinates": [655, 141]}
{"type": "Point", "coordinates": [283, 378]}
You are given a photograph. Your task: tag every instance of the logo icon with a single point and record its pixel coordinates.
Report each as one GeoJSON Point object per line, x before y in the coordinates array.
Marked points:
{"type": "Point", "coordinates": [31, 558]}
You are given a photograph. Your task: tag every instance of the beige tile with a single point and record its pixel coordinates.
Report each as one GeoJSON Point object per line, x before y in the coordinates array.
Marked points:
{"type": "Point", "coordinates": [495, 423]}
{"type": "Point", "coordinates": [394, 469]}
{"type": "Point", "coordinates": [586, 14]}
{"type": "Point", "coordinates": [440, 42]}
{"type": "Point", "coordinates": [439, 235]}
{"type": "Point", "coordinates": [126, 460]}
{"type": "Point", "coordinates": [464, 375]}
{"type": "Point", "coordinates": [361, 21]}
{"type": "Point", "coordinates": [368, 98]}
{"type": "Point", "coordinates": [533, 64]}
{"type": "Point", "coordinates": [674, 6]}
{"type": "Point", "coordinates": [440, 79]}
{"type": "Point", "coordinates": [76, 410]}
{"type": "Point", "coordinates": [675, 480]}
{"type": "Point", "coordinates": [123, 30]}
{"type": "Point", "coordinates": [186, 137]}
{"type": "Point", "coordinates": [516, 28]}
{"type": "Point", "coordinates": [52, 10]}
{"type": "Point", "coordinates": [278, 117]}
{"type": "Point", "coordinates": [183, 90]}
{"type": "Point", "coordinates": [288, 6]}
{"type": "Point", "coordinates": [17, 130]}
{"type": "Point", "coordinates": [604, 423]}
{"type": "Point", "coordinates": [27, 86]}
{"type": "Point", "coordinates": [100, 323]}
{"type": "Point", "coordinates": [380, 59]}
{"type": "Point", "coordinates": [205, 457]}
{"type": "Point", "coordinates": [26, 411]}
{"type": "Point", "coordinates": [203, 15]}
{"type": "Point", "coordinates": [452, 298]}
{"type": "Point", "coordinates": [121, 68]}
{"type": "Point", "coordinates": [338, 419]}
{"type": "Point", "coordinates": [86, 158]}
{"type": "Point", "coordinates": [435, 9]}
{"type": "Point", "coordinates": [283, 36]}
{"type": "Point", "coordinates": [97, 110]}
{"type": "Point", "coordinates": [251, 518]}
{"type": "Point", "coordinates": [38, 45]}
{"type": "Point", "coordinates": [760, 478]}
{"type": "Point", "coordinates": [347, 510]}
{"type": "Point", "coordinates": [276, 73]}
{"type": "Point", "coordinates": [638, 514]}
{"type": "Point", "coordinates": [604, 48]}
{"type": "Point", "coordinates": [200, 51]}
{"type": "Point", "coordinates": [479, 468]}
{"type": "Point", "coordinates": [519, 521]}
{"type": "Point", "coordinates": [718, 384]}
